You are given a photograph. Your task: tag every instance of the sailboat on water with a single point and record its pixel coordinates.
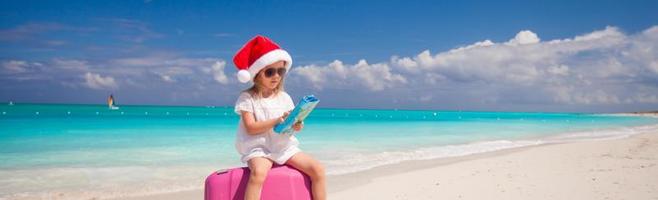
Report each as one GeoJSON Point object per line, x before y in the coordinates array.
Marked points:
{"type": "Point", "coordinates": [111, 104]}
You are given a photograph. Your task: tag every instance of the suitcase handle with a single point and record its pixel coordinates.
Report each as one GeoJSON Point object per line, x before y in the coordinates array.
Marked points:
{"type": "Point", "coordinates": [221, 171]}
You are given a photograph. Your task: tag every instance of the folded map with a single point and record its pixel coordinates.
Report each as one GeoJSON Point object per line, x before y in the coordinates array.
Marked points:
{"type": "Point", "coordinates": [301, 111]}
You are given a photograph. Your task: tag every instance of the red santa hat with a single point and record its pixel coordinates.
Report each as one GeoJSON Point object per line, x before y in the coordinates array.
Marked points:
{"type": "Point", "coordinates": [256, 54]}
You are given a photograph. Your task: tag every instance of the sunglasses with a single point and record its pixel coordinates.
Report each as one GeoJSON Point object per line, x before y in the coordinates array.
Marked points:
{"type": "Point", "coordinates": [270, 72]}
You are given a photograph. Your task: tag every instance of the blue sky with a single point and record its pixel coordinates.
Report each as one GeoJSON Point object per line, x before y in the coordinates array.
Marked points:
{"type": "Point", "coordinates": [585, 56]}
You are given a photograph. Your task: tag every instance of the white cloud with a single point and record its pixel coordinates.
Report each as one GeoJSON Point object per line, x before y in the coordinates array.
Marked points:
{"type": "Point", "coordinates": [96, 81]}
{"type": "Point", "coordinates": [29, 31]}
{"type": "Point", "coordinates": [140, 61]}
{"type": "Point", "coordinates": [524, 37]}
{"type": "Point", "coordinates": [406, 63]}
{"type": "Point", "coordinates": [22, 70]}
{"type": "Point", "coordinates": [167, 78]}
{"type": "Point", "coordinates": [133, 30]}
{"type": "Point", "coordinates": [561, 70]}
{"type": "Point", "coordinates": [172, 69]}
{"type": "Point", "coordinates": [167, 74]}
{"type": "Point", "coordinates": [644, 98]}
{"type": "Point", "coordinates": [373, 77]}
{"type": "Point", "coordinates": [484, 43]}
{"type": "Point", "coordinates": [572, 95]}
{"type": "Point", "coordinates": [15, 66]}
{"type": "Point", "coordinates": [217, 70]}
{"type": "Point", "coordinates": [608, 32]}
{"type": "Point", "coordinates": [587, 69]}
{"type": "Point", "coordinates": [71, 64]}
{"type": "Point", "coordinates": [601, 67]}
{"type": "Point", "coordinates": [223, 35]}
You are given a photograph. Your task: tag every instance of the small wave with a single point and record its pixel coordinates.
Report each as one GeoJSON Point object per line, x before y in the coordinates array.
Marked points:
{"type": "Point", "coordinates": [652, 115]}
{"type": "Point", "coordinates": [604, 134]}
{"type": "Point", "coordinates": [355, 162]}
{"type": "Point", "coordinates": [361, 162]}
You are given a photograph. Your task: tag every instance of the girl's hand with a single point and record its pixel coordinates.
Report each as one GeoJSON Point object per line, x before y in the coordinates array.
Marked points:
{"type": "Point", "coordinates": [298, 126]}
{"type": "Point", "coordinates": [283, 118]}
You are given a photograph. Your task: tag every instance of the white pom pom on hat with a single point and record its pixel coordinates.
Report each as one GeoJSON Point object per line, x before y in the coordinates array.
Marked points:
{"type": "Point", "coordinates": [244, 76]}
{"type": "Point", "coordinates": [256, 54]}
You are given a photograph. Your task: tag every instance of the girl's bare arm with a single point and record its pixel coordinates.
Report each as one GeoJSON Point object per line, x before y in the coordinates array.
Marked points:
{"type": "Point", "coordinates": [254, 128]}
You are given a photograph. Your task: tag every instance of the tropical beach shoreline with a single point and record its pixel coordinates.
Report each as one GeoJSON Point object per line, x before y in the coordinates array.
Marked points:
{"type": "Point", "coordinates": [610, 168]}
{"type": "Point", "coordinates": [603, 169]}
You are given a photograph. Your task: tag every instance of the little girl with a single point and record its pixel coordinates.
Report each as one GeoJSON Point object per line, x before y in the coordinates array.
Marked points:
{"type": "Point", "coordinates": [263, 106]}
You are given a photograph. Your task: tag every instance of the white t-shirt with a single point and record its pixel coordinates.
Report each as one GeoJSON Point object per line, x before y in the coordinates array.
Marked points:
{"type": "Point", "coordinates": [277, 147]}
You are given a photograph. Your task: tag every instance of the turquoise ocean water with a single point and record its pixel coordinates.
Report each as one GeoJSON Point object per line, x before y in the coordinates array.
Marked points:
{"type": "Point", "coordinates": [85, 151]}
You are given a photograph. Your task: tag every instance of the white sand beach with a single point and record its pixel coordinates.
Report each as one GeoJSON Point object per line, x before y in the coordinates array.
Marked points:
{"type": "Point", "coordinates": [613, 169]}
{"type": "Point", "coordinates": [606, 169]}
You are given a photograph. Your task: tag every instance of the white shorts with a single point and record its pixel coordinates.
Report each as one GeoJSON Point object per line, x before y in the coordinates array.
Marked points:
{"type": "Point", "coordinates": [278, 157]}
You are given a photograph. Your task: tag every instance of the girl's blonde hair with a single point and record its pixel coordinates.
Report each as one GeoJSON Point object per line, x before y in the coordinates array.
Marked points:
{"type": "Point", "coordinates": [255, 90]}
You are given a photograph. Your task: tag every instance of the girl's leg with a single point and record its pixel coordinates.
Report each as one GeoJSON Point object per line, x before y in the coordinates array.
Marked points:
{"type": "Point", "coordinates": [259, 167]}
{"type": "Point", "coordinates": [312, 168]}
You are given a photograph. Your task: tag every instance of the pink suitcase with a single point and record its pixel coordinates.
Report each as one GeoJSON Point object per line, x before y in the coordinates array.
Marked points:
{"type": "Point", "coordinates": [282, 182]}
